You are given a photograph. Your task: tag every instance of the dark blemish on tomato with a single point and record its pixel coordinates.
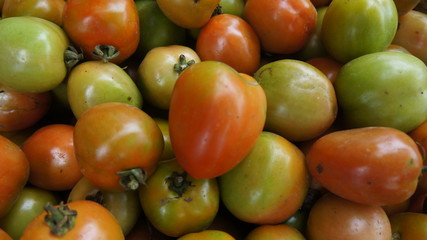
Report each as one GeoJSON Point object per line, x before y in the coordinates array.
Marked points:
{"type": "Point", "coordinates": [1, 91]}
{"type": "Point", "coordinates": [411, 162]}
{"type": "Point", "coordinates": [319, 168]}
{"type": "Point", "coordinates": [369, 183]}
{"type": "Point", "coordinates": [129, 99]}
{"type": "Point", "coordinates": [386, 92]}
{"type": "Point", "coordinates": [188, 199]}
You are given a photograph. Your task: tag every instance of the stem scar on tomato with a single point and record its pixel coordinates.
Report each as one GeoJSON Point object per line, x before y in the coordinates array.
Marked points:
{"type": "Point", "coordinates": [319, 168]}
{"type": "Point", "coordinates": [178, 183]}
{"type": "Point", "coordinates": [182, 64]}
{"type": "Point", "coordinates": [131, 179]}
{"type": "Point", "coordinates": [106, 52]}
{"type": "Point", "coordinates": [60, 219]}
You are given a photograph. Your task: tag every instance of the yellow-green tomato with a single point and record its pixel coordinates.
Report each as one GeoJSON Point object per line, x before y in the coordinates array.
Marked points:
{"type": "Point", "coordinates": [351, 29]}
{"type": "Point", "coordinates": [207, 235]}
{"type": "Point", "coordinates": [164, 127]}
{"type": "Point", "coordinates": [274, 232]}
{"type": "Point", "coordinates": [32, 54]}
{"type": "Point", "coordinates": [301, 101]}
{"type": "Point", "coordinates": [95, 82]}
{"type": "Point", "coordinates": [409, 226]}
{"type": "Point", "coordinates": [269, 185]}
{"type": "Point", "coordinates": [159, 70]}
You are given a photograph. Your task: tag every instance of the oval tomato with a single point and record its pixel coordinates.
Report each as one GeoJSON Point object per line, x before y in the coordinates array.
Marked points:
{"type": "Point", "coordinates": [47, 9]}
{"type": "Point", "coordinates": [275, 232]}
{"type": "Point", "coordinates": [215, 117]}
{"type": "Point", "coordinates": [96, 25]}
{"type": "Point", "coordinates": [373, 165]}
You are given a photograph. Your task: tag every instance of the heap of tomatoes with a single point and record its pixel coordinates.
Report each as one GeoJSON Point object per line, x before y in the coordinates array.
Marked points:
{"type": "Point", "coordinates": [213, 119]}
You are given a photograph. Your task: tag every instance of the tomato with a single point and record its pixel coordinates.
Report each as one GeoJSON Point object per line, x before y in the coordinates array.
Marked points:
{"type": "Point", "coordinates": [70, 222]}
{"type": "Point", "coordinates": [372, 165]}
{"type": "Point", "coordinates": [20, 110]}
{"type": "Point", "coordinates": [207, 235]}
{"type": "Point", "coordinates": [46, 9]}
{"type": "Point", "coordinates": [398, 48]}
{"type": "Point", "coordinates": [419, 135]}
{"type": "Point", "coordinates": [275, 232]}
{"type": "Point", "coordinates": [301, 102]}
{"type": "Point", "coordinates": [103, 29]}
{"type": "Point", "coordinates": [269, 185]}
{"type": "Point", "coordinates": [50, 153]}
{"type": "Point", "coordinates": [28, 205]}
{"type": "Point", "coordinates": [188, 13]}
{"type": "Point", "coordinates": [321, 3]}
{"type": "Point", "coordinates": [333, 217]}
{"type": "Point", "coordinates": [4, 235]}
{"type": "Point", "coordinates": [176, 203]}
{"type": "Point", "coordinates": [412, 34]}
{"type": "Point", "coordinates": [156, 30]}
{"type": "Point", "coordinates": [230, 39]}
{"type": "Point", "coordinates": [328, 66]}
{"type": "Point", "coordinates": [32, 54]}
{"type": "Point", "coordinates": [234, 7]}
{"type": "Point", "coordinates": [124, 205]}
{"type": "Point", "coordinates": [14, 172]}
{"type": "Point", "coordinates": [143, 230]}
{"type": "Point", "coordinates": [167, 149]}
{"type": "Point", "coordinates": [396, 208]}
{"type": "Point", "coordinates": [159, 69]}
{"type": "Point", "coordinates": [409, 226]}
{"type": "Point", "coordinates": [95, 82]}
{"type": "Point", "coordinates": [404, 6]}
{"type": "Point", "coordinates": [369, 90]}
{"type": "Point", "coordinates": [117, 146]}
{"type": "Point", "coordinates": [356, 35]}
{"type": "Point", "coordinates": [283, 26]}
{"type": "Point", "coordinates": [215, 117]}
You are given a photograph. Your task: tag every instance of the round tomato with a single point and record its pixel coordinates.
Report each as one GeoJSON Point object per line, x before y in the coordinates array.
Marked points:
{"type": "Point", "coordinates": [167, 149]}
{"type": "Point", "coordinates": [4, 235]}
{"type": "Point", "coordinates": [404, 6]}
{"type": "Point", "coordinates": [207, 235]}
{"type": "Point", "coordinates": [177, 204]}
{"type": "Point", "coordinates": [215, 117]}
{"type": "Point", "coordinates": [234, 7]}
{"type": "Point", "coordinates": [409, 226]}
{"type": "Point", "coordinates": [419, 135]}
{"type": "Point", "coordinates": [373, 165]}
{"type": "Point", "coordinates": [31, 54]}
{"type": "Point", "coordinates": [301, 102]}
{"type": "Point", "coordinates": [103, 29]}
{"type": "Point", "coordinates": [95, 82]}
{"type": "Point", "coordinates": [117, 146]}
{"type": "Point", "coordinates": [47, 9]}
{"type": "Point", "coordinates": [283, 26]}
{"type": "Point", "coordinates": [20, 110]}
{"type": "Point", "coordinates": [274, 168]}
{"type": "Point", "coordinates": [383, 89]}
{"type": "Point", "coordinates": [356, 35]}
{"type": "Point", "coordinates": [70, 222]}
{"type": "Point", "coordinates": [14, 172]}
{"type": "Point", "coordinates": [333, 217]}
{"type": "Point", "coordinates": [328, 66]}
{"type": "Point", "coordinates": [275, 232]}
{"type": "Point", "coordinates": [188, 13]}
{"type": "Point", "coordinates": [230, 39]}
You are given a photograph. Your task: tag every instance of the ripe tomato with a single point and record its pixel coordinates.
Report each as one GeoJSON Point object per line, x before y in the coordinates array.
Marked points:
{"type": "Point", "coordinates": [177, 204]}
{"type": "Point", "coordinates": [215, 117]}
{"type": "Point", "coordinates": [100, 24]}
{"type": "Point", "coordinates": [328, 66]}
{"type": "Point", "coordinates": [188, 13]}
{"type": "Point", "coordinates": [4, 235]}
{"type": "Point", "coordinates": [117, 146]}
{"type": "Point", "coordinates": [333, 217]}
{"type": "Point", "coordinates": [283, 26]}
{"type": "Point", "coordinates": [47, 9]}
{"type": "Point", "coordinates": [230, 39]}
{"type": "Point", "coordinates": [404, 6]}
{"type": "Point", "coordinates": [79, 220]}
{"type": "Point", "coordinates": [409, 226]}
{"type": "Point", "coordinates": [269, 185]}
{"type": "Point", "coordinates": [373, 165]}
{"type": "Point", "coordinates": [275, 232]}
{"type": "Point", "coordinates": [14, 172]}
{"type": "Point", "coordinates": [419, 135]}
{"type": "Point", "coordinates": [207, 235]}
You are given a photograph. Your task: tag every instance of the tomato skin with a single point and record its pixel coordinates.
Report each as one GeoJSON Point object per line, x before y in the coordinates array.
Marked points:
{"type": "Point", "coordinates": [207, 235]}
{"type": "Point", "coordinates": [404, 6]}
{"type": "Point", "coordinates": [231, 40]}
{"type": "Point", "coordinates": [111, 22]}
{"type": "Point", "coordinates": [333, 217]}
{"type": "Point", "coordinates": [328, 66]}
{"type": "Point", "coordinates": [46, 9]}
{"type": "Point", "coordinates": [102, 224]}
{"type": "Point", "coordinates": [372, 165]}
{"type": "Point", "coordinates": [167, 150]}
{"type": "Point", "coordinates": [4, 235]}
{"type": "Point", "coordinates": [277, 169]}
{"type": "Point", "coordinates": [419, 135]}
{"type": "Point", "coordinates": [409, 226]}
{"type": "Point", "coordinates": [215, 117]}
{"type": "Point", "coordinates": [113, 137]}
{"type": "Point", "coordinates": [174, 214]}
{"type": "Point", "coordinates": [282, 26]}
{"type": "Point", "coordinates": [274, 232]}
{"type": "Point", "coordinates": [14, 172]}
{"type": "Point", "coordinates": [356, 35]}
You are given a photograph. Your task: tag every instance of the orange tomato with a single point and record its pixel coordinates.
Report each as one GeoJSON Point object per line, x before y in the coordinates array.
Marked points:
{"type": "Point", "coordinates": [48, 9]}
{"type": "Point", "coordinates": [327, 65]}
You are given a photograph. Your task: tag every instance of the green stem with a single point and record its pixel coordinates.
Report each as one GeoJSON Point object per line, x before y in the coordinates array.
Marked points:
{"type": "Point", "coordinates": [178, 183]}
{"type": "Point", "coordinates": [132, 178]}
{"type": "Point", "coordinates": [395, 236]}
{"type": "Point", "coordinates": [72, 57]}
{"type": "Point", "coordinates": [60, 219]}
{"type": "Point", "coordinates": [182, 64]}
{"type": "Point", "coordinates": [105, 52]}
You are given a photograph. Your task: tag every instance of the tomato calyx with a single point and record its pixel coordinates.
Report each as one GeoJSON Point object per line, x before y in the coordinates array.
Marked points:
{"type": "Point", "coordinates": [97, 197]}
{"type": "Point", "coordinates": [395, 236]}
{"type": "Point", "coordinates": [72, 57]}
{"type": "Point", "coordinates": [178, 183]}
{"type": "Point", "coordinates": [60, 219]}
{"type": "Point", "coordinates": [182, 64]}
{"type": "Point", "coordinates": [105, 52]}
{"type": "Point", "coordinates": [131, 179]}
{"type": "Point", "coordinates": [217, 10]}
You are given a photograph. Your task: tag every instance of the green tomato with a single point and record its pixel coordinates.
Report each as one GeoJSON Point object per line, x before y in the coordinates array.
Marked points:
{"type": "Point", "coordinates": [95, 82]}
{"type": "Point", "coordinates": [29, 204]}
{"type": "Point", "coordinates": [351, 29]}
{"type": "Point", "coordinates": [383, 89]}
{"type": "Point", "coordinates": [31, 54]}
{"type": "Point", "coordinates": [234, 7]}
{"type": "Point", "coordinates": [164, 127]}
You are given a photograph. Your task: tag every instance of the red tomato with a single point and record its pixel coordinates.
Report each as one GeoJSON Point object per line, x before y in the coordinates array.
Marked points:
{"type": "Point", "coordinates": [90, 23]}
{"type": "Point", "coordinates": [50, 152]}
{"type": "Point", "coordinates": [48, 9]}
{"type": "Point", "coordinates": [327, 65]}
{"type": "Point", "coordinates": [78, 220]}
{"type": "Point", "coordinates": [230, 39]}
{"type": "Point", "coordinates": [4, 235]}
{"type": "Point", "coordinates": [215, 117]}
{"type": "Point", "coordinates": [283, 26]}
{"type": "Point", "coordinates": [419, 135]}
{"type": "Point", "coordinates": [372, 165]}
{"type": "Point", "coordinates": [14, 172]}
